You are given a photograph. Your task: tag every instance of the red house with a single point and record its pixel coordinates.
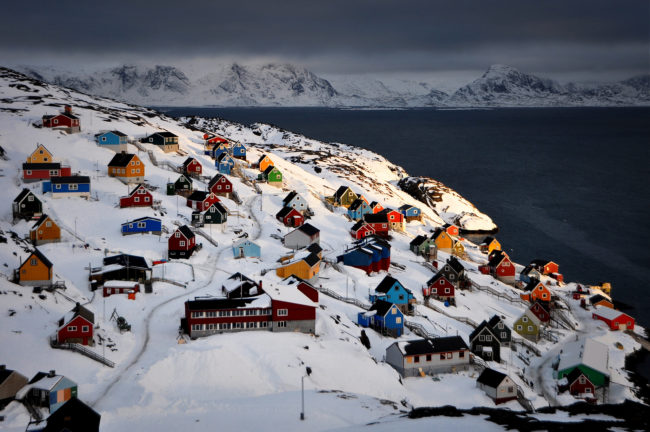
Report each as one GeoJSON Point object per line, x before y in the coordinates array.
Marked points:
{"type": "Point", "coordinates": [378, 222]}
{"type": "Point", "coordinates": [439, 288]}
{"type": "Point", "coordinates": [501, 267]}
{"type": "Point", "coordinates": [579, 384]}
{"type": "Point", "coordinates": [44, 171]}
{"type": "Point", "coordinates": [290, 217]}
{"type": "Point", "coordinates": [541, 312]}
{"type": "Point", "coordinates": [76, 326]}
{"type": "Point", "coordinates": [216, 139]}
{"type": "Point", "coordinates": [138, 197]}
{"type": "Point", "coordinates": [361, 229]}
{"type": "Point", "coordinates": [121, 287]}
{"type": "Point", "coordinates": [66, 120]}
{"type": "Point", "coordinates": [616, 320]}
{"type": "Point", "coordinates": [191, 166]}
{"type": "Point", "coordinates": [181, 243]}
{"type": "Point", "coordinates": [201, 200]}
{"type": "Point", "coordinates": [220, 185]}
{"type": "Point", "coordinates": [395, 219]}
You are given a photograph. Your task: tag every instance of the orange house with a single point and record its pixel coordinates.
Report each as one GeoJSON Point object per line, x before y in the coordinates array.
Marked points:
{"type": "Point", "coordinates": [489, 244]}
{"type": "Point", "coordinates": [264, 162]}
{"type": "Point", "coordinates": [536, 291]}
{"type": "Point", "coordinates": [36, 270]}
{"type": "Point", "coordinates": [127, 167]}
{"type": "Point", "coordinates": [45, 230]}
{"type": "Point", "coordinates": [305, 268]}
{"type": "Point", "coordinates": [443, 240]}
{"type": "Point", "coordinates": [601, 300]}
{"type": "Point", "coordinates": [40, 155]}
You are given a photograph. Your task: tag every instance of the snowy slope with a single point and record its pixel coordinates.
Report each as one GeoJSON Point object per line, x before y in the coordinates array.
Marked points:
{"type": "Point", "coordinates": [160, 385]}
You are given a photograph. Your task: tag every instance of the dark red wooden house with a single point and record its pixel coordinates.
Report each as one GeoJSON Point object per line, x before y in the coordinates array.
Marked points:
{"type": "Point", "coordinates": [378, 222]}
{"type": "Point", "coordinates": [201, 200]}
{"type": "Point", "coordinates": [290, 217]}
{"type": "Point", "coordinates": [220, 185]}
{"type": "Point", "coordinates": [361, 229]}
{"type": "Point", "coordinates": [579, 384]}
{"type": "Point", "coordinates": [76, 326]}
{"type": "Point", "coordinates": [541, 311]}
{"type": "Point", "coordinates": [65, 120]}
{"type": "Point", "coordinates": [191, 166]}
{"type": "Point", "coordinates": [138, 197]}
{"type": "Point", "coordinates": [181, 243]}
{"type": "Point", "coordinates": [44, 171]}
{"type": "Point", "coordinates": [439, 287]}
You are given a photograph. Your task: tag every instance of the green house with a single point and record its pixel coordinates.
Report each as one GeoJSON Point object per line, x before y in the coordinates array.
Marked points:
{"type": "Point", "coordinates": [182, 186]}
{"type": "Point", "coordinates": [528, 326]}
{"type": "Point", "coordinates": [423, 245]}
{"type": "Point", "coordinates": [344, 196]}
{"type": "Point", "coordinates": [589, 356]}
{"type": "Point", "coordinates": [273, 175]}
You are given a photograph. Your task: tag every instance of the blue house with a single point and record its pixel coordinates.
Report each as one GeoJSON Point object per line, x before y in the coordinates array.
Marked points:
{"type": "Point", "coordinates": [224, 163]}
{"type": "Point", "coordinates": [369, 254]}
{"type": "Point", "coordinates": [48, 390]}
{"type": "Point", "coordinates": [358, 208]}
{"type": "Point", "coordinates": [142, 225]}
{"type": "Point", "coordinates": [238, 151]}
{"type": "Point", "coordinates": [410, 212]}
{"type": "Point", "coordinates": [246, 249]}
{"type": "Point", "coordinates": [384, 317]}
{"type": "Point", "coordinates": [219, 149]}
{"type": "Point", "coordinates": [68, 186]}
{"type": "Point", "coordinates": [114, 140]}
{"type": "Point", "coordinates": [391, 290]}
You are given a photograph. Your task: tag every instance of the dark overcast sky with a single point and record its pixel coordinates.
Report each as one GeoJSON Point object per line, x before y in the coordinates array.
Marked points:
{"type": "Point", "coordinates": [543, 36]}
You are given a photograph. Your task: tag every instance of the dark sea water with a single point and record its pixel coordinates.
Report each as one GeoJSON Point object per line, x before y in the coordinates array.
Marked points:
{"type": "Point", "coordinates": [566, 184]}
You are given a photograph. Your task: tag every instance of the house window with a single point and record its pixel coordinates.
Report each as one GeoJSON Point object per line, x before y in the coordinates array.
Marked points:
{"type": "Point", "coordinates": [136, 199]}
{"type": "Point", "coordinates": [104, 139]}
{"type": "Point", "coordinates": [33, 261]}
{"type": "Point", "coordinates": [416, 359]}
{"type": "Point", "coordinates": [56, 121]}
{"type": "Point", "coordinates": [500, 325]}
{"type": "Point", "coordinates": [488, 338]}
{"type": "Point", "coordinates": [142, 225]}
{"type": "Point", "coordinates": [428, 357]}
{"type": "Point", "coordinates": [588, 390]}
{"type": "Point", "coordinates": [447, 290]}
{"type": "Point", "coordinates": [197, 326]}
{"type": "Point", "coordinates": [383, 225]}
{"type": "Point", "coordinates": [525, 319]}
{"type": "Point", "coordinates": [177, 235]}
{"type": "Point", "coordinates": [73, 187]}
{"type": "Point", "coordinates": [146, 199]}
{"type": "Point", "coordinates": [461, 354]}
{"type": "Point", "coordinates": [530, 328]}
{"type": "Point", "coordinates": [582, 380]}
{"type": "Point", "coordinates": [481, 338]}
{"type": "Point", "coordinates": [181, 243]}
{"type": "Point", "coordinates": [519, 327]}
{"type": "Point", "coordinates": [442, 356]}
{"type": "Point", "coordinates": [506, 264]}
{"type": "Point", "coordinates": [72, 328]}
{"type": "Point", "coordinates": [450, 355]}
{"type": "Point", "coordinates": [452, 277]}
{"type": "Point", "coordinates": [401, 297]}
{"type": "Point", "coordinates": [504, 335]}
{"type": "Point", "coordinates": [283, 312]}
{"type": "Point", "coordinates": [282, 323]}
{"type": "Point", "coordinates": [84, 329]}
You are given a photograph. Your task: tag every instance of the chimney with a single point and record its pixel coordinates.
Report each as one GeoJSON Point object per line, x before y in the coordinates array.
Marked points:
{"type": "Point", "coordinates": [68, 109]}
{"type": "Point", "coordinates": [51, 373]}
{"type": "Point", "coordinates": [260, 287]}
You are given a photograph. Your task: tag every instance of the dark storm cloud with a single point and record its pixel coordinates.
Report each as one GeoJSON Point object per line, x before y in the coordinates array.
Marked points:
{"type": "Point", "coordinates": [336, 35]}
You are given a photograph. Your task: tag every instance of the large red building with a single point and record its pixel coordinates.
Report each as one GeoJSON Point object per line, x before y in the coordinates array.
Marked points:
{"type": "Point", "coordinates": [287, 307]}
{"type": "Point", "coordinates": [44, 171]}
{"type": "Point", "coordinates": [181, 243]}
{"type": "Point", "coordinates": [76, 326]}
{"type": "Point", "coordinates": [201, 200]}
{"type": "Point", "coordinates": [616, 320]}
{"type": "Point", "coordinates": [66, 120]}
{"type": "Point", "coordinates": [138, 197]}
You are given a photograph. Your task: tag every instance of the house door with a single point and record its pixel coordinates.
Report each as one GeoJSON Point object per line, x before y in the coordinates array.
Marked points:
{"type": "Point", "coordinates": [622, 327]}
{"type": "Point", "coordinates": [241, 252]}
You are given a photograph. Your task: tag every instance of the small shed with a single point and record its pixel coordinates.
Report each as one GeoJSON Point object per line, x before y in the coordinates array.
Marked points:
{"type": "Point", "coordinates": [497, 386]}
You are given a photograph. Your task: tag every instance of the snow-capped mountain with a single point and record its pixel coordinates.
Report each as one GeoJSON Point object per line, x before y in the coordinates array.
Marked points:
{"type": "Point", "coordinates": [503, 85]}
{"type": "Point", "coordinates": [283, 85]}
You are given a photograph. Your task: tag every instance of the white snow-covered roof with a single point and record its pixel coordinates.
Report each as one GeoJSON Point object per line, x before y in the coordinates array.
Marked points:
{"type": "Point", "coordinates": [289, 294]}
{"type": "Point", "coordinates": [45, 383]}
{"type": "Point", "coordinates": [587, 352]}
{"type": "Point", "coordinates": [607, 313]}
{"type": "Point", "coordinates": [120, 284]}
{"type": "Point", "coordinates": [370, 313]}
{"type": "Point", "coordinates": [108, 268]}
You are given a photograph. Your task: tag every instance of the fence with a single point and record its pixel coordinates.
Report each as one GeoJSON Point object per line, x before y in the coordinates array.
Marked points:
{"type": "Point", "coordinates": [81, 350]}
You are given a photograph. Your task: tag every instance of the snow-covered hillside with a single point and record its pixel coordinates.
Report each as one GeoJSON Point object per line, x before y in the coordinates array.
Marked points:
{"type": "Point", "coordinates": [281, 84]}
{"type": "Point", "coordinates": [251, 379]}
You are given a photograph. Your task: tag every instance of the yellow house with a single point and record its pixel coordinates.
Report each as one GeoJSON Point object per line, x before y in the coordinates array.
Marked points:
{"type": "Point", "coordinates": [35, 270]}
{"type": "Point", "coordinates": [489, 244]}
{"type": "Point", "coordinates": [45, 230]}
{"type": "Point", "coordinates": [443, 240]}
{"type": "Point", "coordinates": [458, 249]}
{"type": "Point", "coordinates": [305, 268]}
{"type": "Point", "coordinates": [40, 155]}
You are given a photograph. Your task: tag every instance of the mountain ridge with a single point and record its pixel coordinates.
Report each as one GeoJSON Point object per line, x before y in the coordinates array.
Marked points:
{"type": "Point", "coordinates": [289, 85]}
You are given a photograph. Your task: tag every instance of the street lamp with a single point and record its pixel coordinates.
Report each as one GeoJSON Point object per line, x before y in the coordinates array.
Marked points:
{"type": "Point", "coordinates": [302, 392]}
